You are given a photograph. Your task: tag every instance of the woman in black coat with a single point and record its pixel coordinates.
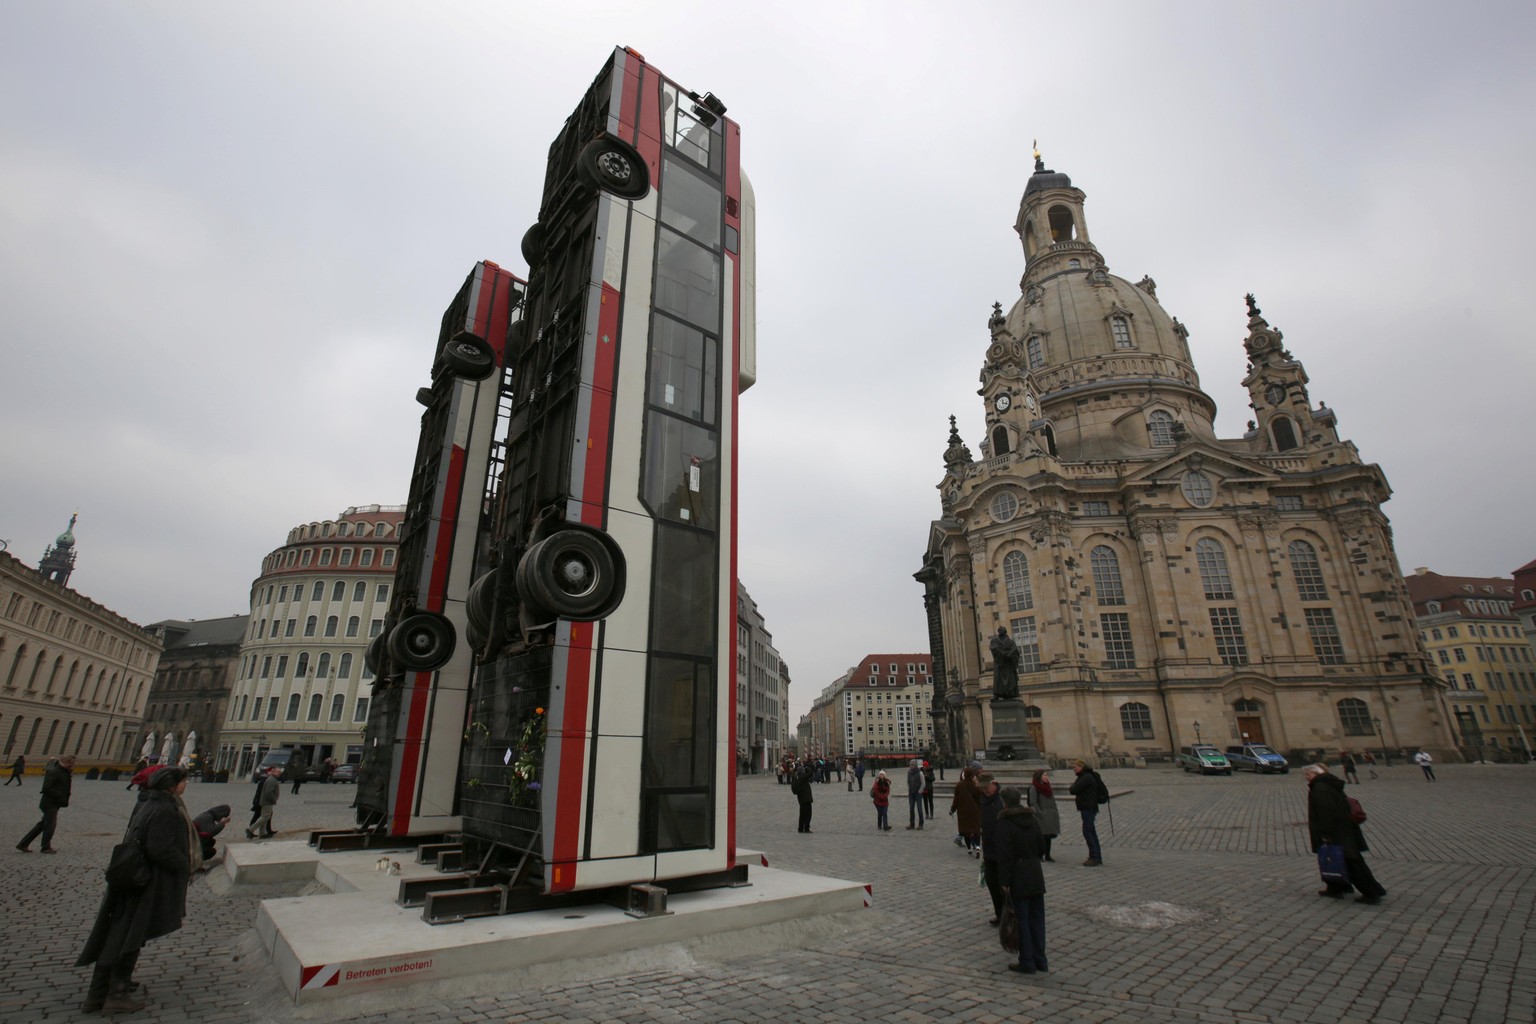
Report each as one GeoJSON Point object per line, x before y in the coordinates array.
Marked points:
{"type": "Point", "coordinates": [1020, 846]}
{"type": "Point", "coordinates": [129, 917]}
{"type": "Point", "coordinates": [1329, 821]}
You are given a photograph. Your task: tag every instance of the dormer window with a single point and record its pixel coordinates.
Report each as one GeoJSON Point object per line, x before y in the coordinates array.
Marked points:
{"type": "Point", "coordinates": [1120, 330]}
{"type": "Point", "coordinates": [1034, 348]}
{"type": "Point", "coordinates": [1284, 434]}
{"type": "Point", "coordinates": [1160, 429]}
{"type": "Point", "coordinates": [1074, 264]}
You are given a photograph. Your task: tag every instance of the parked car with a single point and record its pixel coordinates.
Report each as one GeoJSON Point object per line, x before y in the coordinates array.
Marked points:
{"type": "Point", "coordinates": [345, 773]}
{"type": "Point", "coordinates": [1257, 757]}
{"type": "Point", "coordinates": [1205, 759]}
{"type": "Point", "coordinates": [278, 758]}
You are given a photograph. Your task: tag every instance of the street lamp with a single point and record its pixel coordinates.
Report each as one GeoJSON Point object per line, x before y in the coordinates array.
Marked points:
{"type": "Point", "coordinates": [1197, 732]}
{"type": "Point", "coordinates": [1385, 753]}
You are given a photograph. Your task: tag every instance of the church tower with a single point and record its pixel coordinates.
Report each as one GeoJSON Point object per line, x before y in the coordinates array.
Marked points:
{"type": "Point", "coordinates": [1153, 574]}
{"type": "Point", "coordinates": [59, 558]}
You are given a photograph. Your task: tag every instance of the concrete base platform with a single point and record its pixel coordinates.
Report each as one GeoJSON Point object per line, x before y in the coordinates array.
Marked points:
{"type": "Point", "coordinates": [356, 940]}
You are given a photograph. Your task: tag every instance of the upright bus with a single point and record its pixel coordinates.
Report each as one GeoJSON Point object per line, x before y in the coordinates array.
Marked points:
{"type": "Point", "coordinates": [599, 745]}
{"type": "Point", "coordinates": [408, 780]}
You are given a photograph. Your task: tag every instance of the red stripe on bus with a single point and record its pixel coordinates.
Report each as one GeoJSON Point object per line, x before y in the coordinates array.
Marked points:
{"type": "Point", "coordinates": [648, 137]}
{"type": "Point", "coordinates": [625, 93]}
{"type": "Point", "coordinates": [594, 483]}
{"type": "Point", "coordinates": [573, 736]}
{"type": "Point", "coordinates": [448, 524]}
{"type": "Point", "coordinates": [410, 753]}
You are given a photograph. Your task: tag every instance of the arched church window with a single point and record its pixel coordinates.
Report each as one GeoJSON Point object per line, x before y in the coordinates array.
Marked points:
{"type": "Point", "coordinates": [1000, 440]}
{"type": "Point", "coordinates": [1120, 329]}
{"type": "Point", "coordinates": [1136, 721]}
{"type": "Point", "coordinates": [1355, 717]}
{"type": "Point", "coordinates": [1016, 582]}
{"type": "Point", "coordinates": [1160, 428]}
{"type": "Point", "coordinates": [1215, 578]}
{"type": "Point", "coordinates": [1284, 433]}
{"type": "Point", "coordinates": [1308, 572]}
{"type": "Point", "coordinates": [1074, 264]}
{"type": "Point", "coordinates": [1034, 349]}
{"type": "Point", "coordinates": [1197, 488]}
{"type": "Point", "coordinates": [1106, 575]}
{"type": "Point", "coordinates": [1248, 707]}
{"type": "Point", "coordinates": [1050, 439]}
{"type": "Point", "coordinates": [1063, 227]}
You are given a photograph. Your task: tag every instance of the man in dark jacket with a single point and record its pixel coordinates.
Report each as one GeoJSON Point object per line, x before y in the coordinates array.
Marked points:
{"type": "Point", "coordinates": [18, 769]}
{"type": "Point", "coordinates": [1329, 821]}
{"type": "Point", "coordinates": [915, 784]}
{"type": "Point", "coordinates": [266, 798]}
{"type": "Point", "coordinates": [991, 805]}
{"type": "Point", "coordinates": [57, 780]}
{"type": "Point", "coordinates": [1088, 791]}
{"type": "Point", "coordinates": [1019, 849]}
{"type": "Point", "coordinates": [801, 787]}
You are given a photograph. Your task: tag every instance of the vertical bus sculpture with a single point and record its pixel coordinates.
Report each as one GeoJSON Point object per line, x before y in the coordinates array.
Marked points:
{"type": "Point", "coordinates": [407, 781]}
{"type": "Point", "coordinates": [599, 749]}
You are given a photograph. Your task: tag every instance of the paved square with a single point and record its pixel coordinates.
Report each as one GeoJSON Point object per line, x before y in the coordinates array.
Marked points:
{"type": "Point", "coordinates": [1203, 912]}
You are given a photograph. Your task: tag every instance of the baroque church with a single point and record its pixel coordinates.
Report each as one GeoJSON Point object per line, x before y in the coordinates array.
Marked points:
{"type": "Point", "coordinates": [1164, 586]}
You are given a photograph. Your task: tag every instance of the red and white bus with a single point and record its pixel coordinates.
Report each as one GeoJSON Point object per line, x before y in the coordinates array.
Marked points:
{"type": "Point", "coordinates": [407, 782]}
{"type": "Point", "coordinates": [599, 746]}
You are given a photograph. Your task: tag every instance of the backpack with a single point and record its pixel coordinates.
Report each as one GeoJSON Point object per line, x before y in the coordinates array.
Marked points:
{"type": "Point", "coordinates": [1101, 791]}
{"type": "Point", "coordinates": [1356, 812]}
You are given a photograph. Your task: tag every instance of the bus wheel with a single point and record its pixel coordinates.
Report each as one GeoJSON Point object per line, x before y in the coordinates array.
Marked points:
{"type": "Point", "coordinates": [517, 340]}
{"type": "Point", "coordinates": [374, 656]}
{"type": "Point", "coordinates": [615, 167]}
{"type": "Point", "coordinates": [574, 574]}
{"type": "Point", "coordinates": [423, 642]}
{"type": "Point", "coordinates": [533, 245]}
{"type": "Point", "coordinates": [480, 602]}
{"type": "Point", "coordinates": [469, 357]}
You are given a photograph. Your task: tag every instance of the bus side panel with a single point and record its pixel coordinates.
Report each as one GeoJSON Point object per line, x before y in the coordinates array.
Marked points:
{"type": "Point", "coordinates": [629, 403]}
{"type": "Point", "coordinates": [566, 747]}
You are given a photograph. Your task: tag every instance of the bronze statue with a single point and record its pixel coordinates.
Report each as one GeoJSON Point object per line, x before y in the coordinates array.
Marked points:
{"type": "Point", "coordinates": [1005, 666]}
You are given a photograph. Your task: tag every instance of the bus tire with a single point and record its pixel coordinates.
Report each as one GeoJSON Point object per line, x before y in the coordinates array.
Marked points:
{"type": "Point", "coordinates": [517, 340]}
{"type": "Point", "coordinates": [375, 655]}
{"type": "Point", "coordinates": [480, 603]}
{"type": "Point", "coordinates": [469, 357]}
{"type": "Point", "coordinates": [533, 245]}
{"type": "Point", "coordinates": [613, 166]}
{"type": "Point", "coordinates": [575, 573]}
{"type": "Point", "coordinates": [422, 642]}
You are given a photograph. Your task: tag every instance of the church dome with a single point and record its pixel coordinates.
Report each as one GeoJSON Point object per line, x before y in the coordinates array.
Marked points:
{"type": "Point", "coordinates": [67, 538]}
{"type": "Point", "coordinates": [1085, 312]}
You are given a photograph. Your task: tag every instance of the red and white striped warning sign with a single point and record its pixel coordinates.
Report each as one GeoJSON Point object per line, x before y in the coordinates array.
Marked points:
{"type": "Point", "coordinates": [321, 976]}
{"type": "Point", "coordinates": [869, 895]}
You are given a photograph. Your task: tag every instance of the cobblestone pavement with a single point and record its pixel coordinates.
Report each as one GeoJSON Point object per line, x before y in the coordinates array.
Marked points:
{"type": "Point", "coordinates": [1204, 913]}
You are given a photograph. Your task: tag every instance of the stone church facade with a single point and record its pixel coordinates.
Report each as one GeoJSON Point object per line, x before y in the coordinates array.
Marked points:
{"type": "Point", "coordinates": [1164, 585]}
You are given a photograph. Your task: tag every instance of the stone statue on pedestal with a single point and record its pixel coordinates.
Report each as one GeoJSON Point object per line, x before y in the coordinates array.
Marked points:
{"type": "Point", "coordinates": [1005, 666]}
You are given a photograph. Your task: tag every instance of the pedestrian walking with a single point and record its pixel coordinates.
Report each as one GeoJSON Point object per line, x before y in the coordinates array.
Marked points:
{"type": "Point", "coordinates": [130, 917]}
{"type": "Point", "coordinates": [297, 771]}
{"type": "Point", "coordinates": [266, 804]}
{"type": "Point", "coordinates": [914, 795]}
{"type": "Point", "coordinates": [801, 787]}
{"type": "Point", "coordinates": [928, 789]}
{"type": "Point", "coordinates": [965, 808]}
{"type": "Point", "coordinates": [991, 805]}
{"type": "Point", "coordinates": [880, 793]}
{"type": "Point", "coordinates": [18, 769]}
{"type": "Point", "coordinates": [1042, 800]}
{"type": "Point", "coordinates": [1347, 763]}
{"type": "Point", "coordinates": [1089, 791]}
{"type": "Point", "coordinates": [1370, 763]}
{"type": "Point", "coordinates": [1331, 820]}
{"type": "Point", "coordinates": [58, 779]}
{"type": "Point", "coordinates": [1423, 760]}
{"type": "Point", "coordinates": [849, 774]}
{"type": "Point", "coordinates": [858, 774]}
{"type": "Point", "coordinates": [1019, 849]}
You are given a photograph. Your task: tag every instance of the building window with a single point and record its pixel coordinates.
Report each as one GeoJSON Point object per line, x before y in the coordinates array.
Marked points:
{"type": "Point", "coordinates": [1461, 654]}
{"type": "Point", "coordinates": [1095, 508]}
{"type": "Point", "coordinates": [315, 701]}
{"type": "Point", "coordinates": [346, 556]}
{"type": "Point", "coordinates": [290, 626]}
{"type": "Point", "coordinates": [1119, 650]}
{"type": "Point", "coordinates": [1215, 580]}
{"type": "Point", "coordinates": [325, 556]}
{"type": "Point", "coordinates": [389, 556]}
{"type": "Point", "coordinates": [293, 708]}
{"type": "Point", "coordinates": [367, 558]}
{"type": "Point", "coordinates": [255, 709]}
{"type": "Point", "coordinates": [344, 666]}
{"type": "Point", "coordinates": [1325, 636]}
{"type": "Point", "coordinates": [1308, 572]}
{"type": "Point", "coordinates": [360, 710]}
{"type": "Point", "coordinates": [1355, 717]}
{"type": "Point", "coordinates": [318, 592]}
{"type": "Point", "coordinates": [1028, 639]}
{"type": "Point", "coordinates": [1004, 507]}
{"type": "Point", "coordinates": [339, 591]}
{"type": "Point", "coordinates": [338, 707]}
{"type": "Point", "coordinates": [1227, 628]}
{"type": "Point", "coordinates": [359, 590]}
{"type": "Point", "coordinates": [1288, 503]}
{"type": "Point", "coordinates": [1034, 348]}
{"type": "Point", "coordinates": [353, 624]}
{"type": "Point", "coordinates": [310, 624]}
{"type": "Point", "coordinates": [1197, 488]}
{"type": "Point", "coordinates": [1160, 429]}
{"type": "Point", "coordinates": [307, 557]}
{"type": "Point", "coordinates": [1120, 328]}
{"type": "Point", "coordinates": [1106, 575]}
{"type": "Point", "coordinates": [1016, 581]}
{"type": "Point", "coordinates": [375, 627]}
{"type": "Point", "coordinates": [382, 594]}
{"type": "Point", "coordinates": [331, 624]}
{"type": "Point", "coordinates": [1136, 721]}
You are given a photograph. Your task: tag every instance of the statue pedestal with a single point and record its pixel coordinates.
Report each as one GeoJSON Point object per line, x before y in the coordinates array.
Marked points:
{"type": "Point", "coordinates": [1012, 756]}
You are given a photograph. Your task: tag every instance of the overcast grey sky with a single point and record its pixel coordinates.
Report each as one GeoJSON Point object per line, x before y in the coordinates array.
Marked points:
{"type": "Point", "coordinates": [228, 232]}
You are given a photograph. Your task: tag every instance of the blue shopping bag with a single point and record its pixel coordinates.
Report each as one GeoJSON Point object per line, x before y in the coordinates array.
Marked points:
{"type": "Point", "coordinates": [1330, 863]}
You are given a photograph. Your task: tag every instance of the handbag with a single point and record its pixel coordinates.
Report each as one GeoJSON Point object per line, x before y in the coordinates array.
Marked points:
{"type": "Point", "coordinates": [128, 868]}
{"type": "Point", "coordinates": [1008, 925]}
{"type": "Point", "coordinates": [1330, 863]}
{"type": "Point", "coordinates": [1356, 812]}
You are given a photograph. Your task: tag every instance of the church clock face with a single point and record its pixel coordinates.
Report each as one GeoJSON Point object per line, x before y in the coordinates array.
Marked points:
{"type": "Point", "coordinates": [1029, 402]}
{"type": "Point", "coordinates": [1002, 403]}
{"type": "Point", "coordinates": [1275, 393]}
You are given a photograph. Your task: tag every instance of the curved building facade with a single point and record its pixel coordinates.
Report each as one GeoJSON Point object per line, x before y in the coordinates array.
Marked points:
{"type": "Point", "coordinates": [301, 681]}
{"type": "Point", "coordinates": [1164, 585]}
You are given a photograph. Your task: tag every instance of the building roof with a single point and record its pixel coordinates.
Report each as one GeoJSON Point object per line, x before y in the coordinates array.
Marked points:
{"type": "Point", "coordinates": [1425, 586]}
{"type": "Point", "coordinates": [183, 633]}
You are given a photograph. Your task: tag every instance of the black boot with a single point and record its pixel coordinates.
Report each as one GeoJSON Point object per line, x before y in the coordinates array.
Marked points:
{"type": "Point", "coordinates": [96, 994]}
{"type": "Point", "coordinates": [121, 999]}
